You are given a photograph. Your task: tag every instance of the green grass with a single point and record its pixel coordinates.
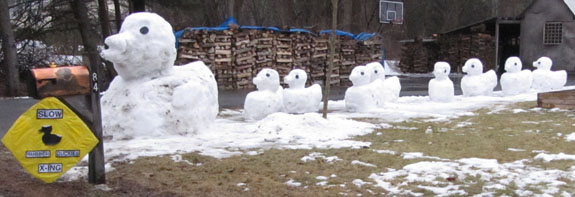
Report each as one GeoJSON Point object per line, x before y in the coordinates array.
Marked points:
{"type": "Point", "coordinates": [489, 136]}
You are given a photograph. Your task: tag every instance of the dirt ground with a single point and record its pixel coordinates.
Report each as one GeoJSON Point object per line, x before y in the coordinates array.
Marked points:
{"type": "Point", "coordinates": [485, 135]}
{"type": "Point", "coordinates": [15, 181]}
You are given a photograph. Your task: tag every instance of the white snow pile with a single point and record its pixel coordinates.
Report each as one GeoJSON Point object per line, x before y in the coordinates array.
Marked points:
{"type": "Point", "coordinates": [450, 177]}
{"type": "Point", "coordinates": [232, 137]}
{"type": "Point", "coordinates": [409, 107]}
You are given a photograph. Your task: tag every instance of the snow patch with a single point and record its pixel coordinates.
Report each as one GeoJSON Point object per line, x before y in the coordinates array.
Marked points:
{"type": "Point", "coordinates": [313, 156]}
{"type": "Point", "coordinates": [515, 150]}
{"type": "Point", "coordinates": [570, 137]}
{"type": "Point", "coordinates": [526, 179]}
{"type": "Point", "coordinates": [554, 157]}
{"type": "Point", "coordinates": [292, 183]}
{"type": "Point", "coordinates": [385, 152]}
{"type": "Point", "coordinates": [357, 162]}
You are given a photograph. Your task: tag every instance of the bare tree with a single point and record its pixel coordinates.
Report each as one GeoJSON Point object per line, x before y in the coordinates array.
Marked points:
{"type": "Point", "coordinates": [9, 49]}
{"type": "Point", "coordinates": [331, 55]}
{"type": "Point", "coordinates": [117, 14]}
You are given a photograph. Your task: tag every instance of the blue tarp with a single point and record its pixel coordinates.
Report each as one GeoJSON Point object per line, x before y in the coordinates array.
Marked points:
{"type": "Point", "coordinates": [301, 30]}
{"type": "Point", "coordinates": [228, 22]}
{"type": "Point", "coordinates": [232, 21]}
{"type": "Point", "coordinates": [338, 32]}
{"type": "Point", "coordinates": [252, 27]}
{"type": "Point", "coordinates": [178, 35]}
{"type": "Point", "coordinates": [364, 36]}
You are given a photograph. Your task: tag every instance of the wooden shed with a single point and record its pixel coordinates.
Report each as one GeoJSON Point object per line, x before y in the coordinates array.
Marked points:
{"type": "Point", "coordinates": [541, 28]}
{"type": "Point", "coordinates": [548, 29]}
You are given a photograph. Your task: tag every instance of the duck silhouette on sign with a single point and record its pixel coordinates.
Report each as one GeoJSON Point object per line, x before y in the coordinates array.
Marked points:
{"type": "Point", "coordinates": [49, 139]}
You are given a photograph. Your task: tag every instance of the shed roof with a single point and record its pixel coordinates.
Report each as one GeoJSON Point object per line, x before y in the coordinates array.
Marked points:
{"type": "Point", "coordinates": [571, 5]}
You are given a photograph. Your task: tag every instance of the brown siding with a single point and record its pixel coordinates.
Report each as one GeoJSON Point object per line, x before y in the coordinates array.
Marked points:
{"type": "Point", "coordinates": [532, 27]}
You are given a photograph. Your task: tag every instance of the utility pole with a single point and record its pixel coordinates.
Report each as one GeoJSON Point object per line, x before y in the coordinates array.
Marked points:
{"type": "Point", "coordinates": [331, 55]}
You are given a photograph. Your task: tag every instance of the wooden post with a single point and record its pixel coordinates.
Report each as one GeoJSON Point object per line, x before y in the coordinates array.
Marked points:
{"type": "Point", "coordinates": [96, 169]}
{"type": "Point", "coordinates": [96, 163]}
{"type": "Point", "coordinates": [331, 55]}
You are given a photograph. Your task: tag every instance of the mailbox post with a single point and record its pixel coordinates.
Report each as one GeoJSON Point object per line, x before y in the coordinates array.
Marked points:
{"type": "Point", "coordinates": [96, 163]}
{"type": "Point", "coordinates": [58, 133]}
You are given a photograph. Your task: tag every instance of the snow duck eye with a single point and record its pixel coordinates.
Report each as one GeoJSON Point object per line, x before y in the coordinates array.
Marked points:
{"type": "Point", "coordinates": [361, 73]}
{"type": "Point", "coordinates": [539, 62]}
{"type": "Point", "coordinates": [144, 30]}
{"type": "Point", "coordinates": [444, 71]}
{"type": "Point", "coordinates": [375, 71]}
{"type": "Point", "coordinates": [515, 64]}
{"type": "Point", "coordinates": [297, 76]}
{"type": "Point", "coordinates": [267, 75]}
{"type": "Point", "coordinates": [472, 65]}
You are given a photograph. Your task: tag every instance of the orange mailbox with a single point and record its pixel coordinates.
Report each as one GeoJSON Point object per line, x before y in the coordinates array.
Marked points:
{"type": "Point", "coordinates": [59, 81]}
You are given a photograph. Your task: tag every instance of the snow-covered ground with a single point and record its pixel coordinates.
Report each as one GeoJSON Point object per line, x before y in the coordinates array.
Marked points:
{"type": "Point", "coordinates": [232, 135]}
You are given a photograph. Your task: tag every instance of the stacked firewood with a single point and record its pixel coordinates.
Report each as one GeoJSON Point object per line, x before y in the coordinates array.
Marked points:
{"type": "Point", "coordinates": [244, 52]}
{"type": "Point", "coordinates": [302, 51]}
{"type": "Point", "coordinates": [449, 52]}
{"type": "Point", "coordinates": [483, 46]}
{"type": "Point", "coordinates": [418, 56]}
{"type": "Point", "coordinates": [456, 49]}
{"type": "Point", "coordinates": [237, 55]}
{"type": "Point", "coordinates": [347, 52]}
{"type": "Point", "coordinates": [196, 45]}
{"type": "Point", "coordinates": [319, 60]}
{"type": "Point", "coordinates": [264, 51]}
{"type": "Point", "coordinates": [283, 54]}
{"type": "Point", "coordinates": [223, 64]}
{"type": "Point", "coordinates": [370, 50]}
{"type": "Point", "coordinates": [335, 74]}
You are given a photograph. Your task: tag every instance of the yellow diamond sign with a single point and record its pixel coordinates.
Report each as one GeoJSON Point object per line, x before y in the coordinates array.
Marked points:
{"type": "Point", "coordinates": [49, 139]}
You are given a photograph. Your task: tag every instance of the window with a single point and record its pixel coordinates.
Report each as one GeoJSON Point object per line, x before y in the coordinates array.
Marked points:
{"type": "Point", "coordinates": [553, 33]}
{"type": "Point", "coordinates": [390, 12]}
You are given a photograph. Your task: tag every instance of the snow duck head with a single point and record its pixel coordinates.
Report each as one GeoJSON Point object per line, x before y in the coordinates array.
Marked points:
{"type": "Point", "coordinates": [513, 64]}
{"type": "Point", "coordinates": [144, 46]}
{"type": "Point", "coordinates": [267, 79]}
{"type": "Point", "coordinates": [296, 78]}
{"type": "Point", "coordinates": [543, 63]}
{"type": "Point", "coordinates": [377, 71]}
{"type": "Point", "coordinates": [360, 75]}
{"type": "Point", "coordinates": [473, 67]}
{"type": "Point", "coordinates": [441, 70]}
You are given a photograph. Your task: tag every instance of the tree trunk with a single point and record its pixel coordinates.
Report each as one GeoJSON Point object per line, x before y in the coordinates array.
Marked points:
{"type": "Point", "coordinates": [231, 4]}
{"type": "Point", "coordinates": [347, 21]}
{"type": "Point", "coordinates": [118, 13]}
{"type": "Point", "coordinates": [138, 6]}
{"type": "Point", "coordinates": [103, 16]}
{"type": "Point", "coordinates": [9, 48]}
{"type": "Point", "coordinates": [105, 24]}
{"type": "Point", "coordinates": [96, 170]}
{"type": "Point", "coordinates": [331, 55]}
